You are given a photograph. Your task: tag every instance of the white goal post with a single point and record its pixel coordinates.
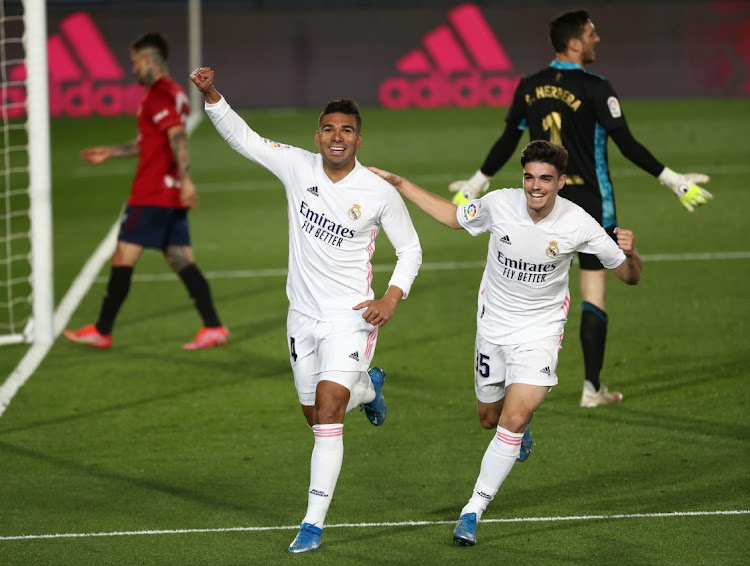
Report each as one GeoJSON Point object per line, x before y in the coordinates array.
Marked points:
{"type": "Point", "coordinates": [32, 176]}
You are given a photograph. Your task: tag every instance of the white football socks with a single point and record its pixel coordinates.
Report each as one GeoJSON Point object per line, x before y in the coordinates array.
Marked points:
{"type": "Point", "coordinates": [497, 462]}
{"type": "Point", "coordinates": [325, 465]}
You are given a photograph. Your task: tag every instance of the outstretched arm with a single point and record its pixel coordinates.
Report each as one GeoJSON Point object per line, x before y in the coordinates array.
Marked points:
{"type": "Point", "coordinates": [684, 186]}
{"type": "Point", "coordinates": [99, 154]}
{"type": "Point", "coordinates": [440, 209]}
{"type": "Point", "coordinates": [628, 271]}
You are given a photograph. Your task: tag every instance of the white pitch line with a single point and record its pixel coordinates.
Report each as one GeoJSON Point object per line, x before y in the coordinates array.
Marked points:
{"type": "Point", "coordinates": [384, 524]}
{"type": "Point", "coordinates": [436, 266]}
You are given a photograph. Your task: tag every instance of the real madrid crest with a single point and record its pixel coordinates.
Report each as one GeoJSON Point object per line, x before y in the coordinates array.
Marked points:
{"type": "Point", "coordinates": [553, 250]}
{"type": "Point", "coordinates": [355, 212]}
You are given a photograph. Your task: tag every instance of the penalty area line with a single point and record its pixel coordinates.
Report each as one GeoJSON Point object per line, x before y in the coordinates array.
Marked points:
{"type": "Point", "coordinates": [385, 524]}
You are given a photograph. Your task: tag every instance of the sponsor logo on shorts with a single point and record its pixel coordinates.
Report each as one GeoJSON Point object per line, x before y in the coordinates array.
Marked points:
{"type": "Point", "coordinates": [545, 370]}
{"type": "Point", "coordinates": [354, 356]}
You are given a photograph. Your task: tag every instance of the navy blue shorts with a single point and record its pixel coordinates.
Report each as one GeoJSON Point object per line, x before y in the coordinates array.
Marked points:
{"type": "Point", "coordinates": [154, 227]}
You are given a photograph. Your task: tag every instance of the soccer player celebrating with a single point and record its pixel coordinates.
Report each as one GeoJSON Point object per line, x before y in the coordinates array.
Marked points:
{"type": "Point", "coordinates": [567, 105]}
{"type": "Point", "coordinates": [162, 192]}
{"type": "Point", "coordinates": [523, 299]}
{"type": "Point", "coordinates": [336, 207]}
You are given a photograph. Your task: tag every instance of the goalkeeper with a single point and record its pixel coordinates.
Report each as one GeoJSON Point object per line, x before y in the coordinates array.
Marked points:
{"type": "Point", "coordinates": [567, 105]}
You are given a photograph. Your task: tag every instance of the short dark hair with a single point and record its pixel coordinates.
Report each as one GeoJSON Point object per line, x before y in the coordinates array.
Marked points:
{"type": "Point", "coordinates": [566, 27]}
{"type": "Point", "coordinates": [342, 106]}
{"type": "Point", "coordinates": [154, 41]}
{"type": "Point", "coordinates": [542, 151]}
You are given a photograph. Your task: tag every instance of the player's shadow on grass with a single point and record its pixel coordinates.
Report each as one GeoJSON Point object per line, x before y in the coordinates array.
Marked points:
{"type": "Point", "coordinates": [240, 371]}
{"type": "Point", "coordinates": [633, 411]}
{"type": "Point", "coordinates": [266, 512]}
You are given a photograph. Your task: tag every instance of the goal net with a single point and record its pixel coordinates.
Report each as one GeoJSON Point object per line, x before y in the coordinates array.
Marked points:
{"type": "Point", "coordinates": [26, 304]}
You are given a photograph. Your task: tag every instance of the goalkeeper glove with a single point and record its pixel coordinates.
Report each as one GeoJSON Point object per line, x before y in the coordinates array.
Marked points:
{"type": "Point", "coordinates": [690, 194]}
{"type": "Point", "coordinates": [469, 189]}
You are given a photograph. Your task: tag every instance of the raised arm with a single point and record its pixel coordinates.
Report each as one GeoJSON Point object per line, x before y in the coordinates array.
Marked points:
{"type": "Point", "coordinates": [203, 78]}
{"type": "Point", "coordinates": [440, 209]}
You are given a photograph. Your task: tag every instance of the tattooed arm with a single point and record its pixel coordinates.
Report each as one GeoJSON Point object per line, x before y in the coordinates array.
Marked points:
{"type": "Point", "coordinates": [99, 154]}
{"type": "Point", "coordinates": [178, 142]}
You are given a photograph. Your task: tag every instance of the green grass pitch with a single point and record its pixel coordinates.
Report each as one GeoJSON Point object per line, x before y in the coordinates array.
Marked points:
{"type": "Point", "coordinates": [147, 438]}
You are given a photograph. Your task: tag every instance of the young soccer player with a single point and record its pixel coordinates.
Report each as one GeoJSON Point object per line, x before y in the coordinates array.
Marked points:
{"type": "Point", "coordinates": [523, 299]}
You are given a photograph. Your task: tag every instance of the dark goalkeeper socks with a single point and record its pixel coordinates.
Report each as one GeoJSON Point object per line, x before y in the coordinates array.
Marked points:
{"type": "Point", "coordinates": [593, 340]}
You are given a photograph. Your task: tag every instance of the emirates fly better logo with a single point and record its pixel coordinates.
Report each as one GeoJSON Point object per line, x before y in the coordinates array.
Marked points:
{"type": "Point", "coordinates": [84, 75]}
{"type": "Point", "coordinates": [462, 64]}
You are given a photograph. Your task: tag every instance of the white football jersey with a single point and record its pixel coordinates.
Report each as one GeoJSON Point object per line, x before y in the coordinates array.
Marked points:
{"type": "Point", "coordinates": [332, 226]}
{"type": "Point", "coordinates": [524, 291]}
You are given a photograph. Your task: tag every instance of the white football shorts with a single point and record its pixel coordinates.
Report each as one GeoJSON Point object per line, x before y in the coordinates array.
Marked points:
{"type": "Point", "coordinates": [497, 367]}
{"type": "Point", "coordinates": [317, 347]}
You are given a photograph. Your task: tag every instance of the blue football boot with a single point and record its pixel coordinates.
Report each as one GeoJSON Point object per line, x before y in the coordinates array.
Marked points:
{"type": "Point", "coordinates": [526, 443]}
{"type": "Point", "coordinates": [376, 409]}
{"type": "Point", "coordinates": [465, 532]}
{"type": "Point", "coordinates": [307, 539]}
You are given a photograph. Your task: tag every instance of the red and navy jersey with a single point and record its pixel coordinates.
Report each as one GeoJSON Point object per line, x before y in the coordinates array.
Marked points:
{"type": "Point", "coordinates": [156, 182]}
{"type": "Point", "coordinates": [577, 109]}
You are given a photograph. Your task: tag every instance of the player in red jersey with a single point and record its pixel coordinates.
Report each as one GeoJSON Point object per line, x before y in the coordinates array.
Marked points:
{"type": "Point", "coordinates": [162, 193]}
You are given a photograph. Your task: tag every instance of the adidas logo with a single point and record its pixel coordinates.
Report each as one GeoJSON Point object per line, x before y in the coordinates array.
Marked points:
{"type": "Point", "coordinates": [545, 370]}
{"type": "Point", "coordinates": [462, 64]}
{"type": "Point", "coordinates": [505, 240]}
{"type": "Point", "coordinates": [313, 190]}
{"type": "Point", "coordinates": [354, 356]}
{"type": "Point", "coordinates": [85, 78]}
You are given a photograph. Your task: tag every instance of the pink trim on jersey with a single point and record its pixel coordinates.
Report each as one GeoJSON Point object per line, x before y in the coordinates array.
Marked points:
{"type": "Point", "coordinates": [370, 251]}
{"type": "Point", "coordinates": [481, 293]}
{"type": "Point", "coordinates": [329, 432]}
{"type": "Point", "coordinates": [565, 307]}
{"type": "Point", "coordinates": [371, 343]}
{"type": "Point", "coordinates": [508, 439]}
